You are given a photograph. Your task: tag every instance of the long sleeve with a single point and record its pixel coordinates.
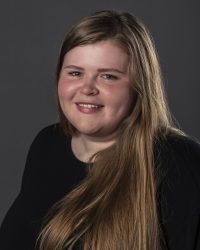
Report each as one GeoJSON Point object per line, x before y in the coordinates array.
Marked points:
{"type": "Point", "coordinates": [17, 228]}
{"type": "Point", "coordinates": [51, 171]}
{"type": "Point", "coordinates": [179, 194]}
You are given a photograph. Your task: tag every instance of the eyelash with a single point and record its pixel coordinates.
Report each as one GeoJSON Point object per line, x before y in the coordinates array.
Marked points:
{"type": "Point", "coordinates": [75, 73]}
{"type": "Point", "coordinates": [108, 77]}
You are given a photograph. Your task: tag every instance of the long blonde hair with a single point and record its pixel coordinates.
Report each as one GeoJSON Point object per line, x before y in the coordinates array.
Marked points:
{"type": "Point", "coordinates": [115, 207]}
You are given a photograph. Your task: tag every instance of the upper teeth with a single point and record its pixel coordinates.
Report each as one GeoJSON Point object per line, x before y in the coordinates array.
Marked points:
{"type": "Point", "coordinates": [88, 105]}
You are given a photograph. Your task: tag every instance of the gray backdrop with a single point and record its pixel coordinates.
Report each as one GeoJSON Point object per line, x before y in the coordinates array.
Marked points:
{"type": "Point", "coordinates": [30, 36]}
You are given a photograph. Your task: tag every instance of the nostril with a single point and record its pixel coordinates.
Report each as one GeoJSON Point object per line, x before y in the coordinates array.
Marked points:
{"type": "Point", "coordinates": [90, 91]}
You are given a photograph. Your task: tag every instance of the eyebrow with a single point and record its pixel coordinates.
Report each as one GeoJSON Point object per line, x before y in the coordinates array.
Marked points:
{"type": "Point", "coordinates": [99, 70]}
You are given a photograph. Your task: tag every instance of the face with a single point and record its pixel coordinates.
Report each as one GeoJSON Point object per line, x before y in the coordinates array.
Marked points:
{"type": "Point", "coordinates": [94, 88]}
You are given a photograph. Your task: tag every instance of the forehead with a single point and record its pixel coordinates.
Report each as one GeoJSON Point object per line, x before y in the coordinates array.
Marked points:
{"type": "Point", "coordinates": [105, 53]}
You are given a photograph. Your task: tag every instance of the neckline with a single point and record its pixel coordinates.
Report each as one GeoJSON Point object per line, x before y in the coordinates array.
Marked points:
{"type": "Point", "coordinates": [69, 148]}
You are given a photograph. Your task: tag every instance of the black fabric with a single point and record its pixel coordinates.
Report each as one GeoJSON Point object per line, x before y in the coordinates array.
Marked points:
{"type": "Point", "coordinates": [52, 171]}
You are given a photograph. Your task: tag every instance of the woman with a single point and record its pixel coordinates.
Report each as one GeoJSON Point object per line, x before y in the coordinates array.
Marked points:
{"type": "Point", "coordinates": [121, 176]}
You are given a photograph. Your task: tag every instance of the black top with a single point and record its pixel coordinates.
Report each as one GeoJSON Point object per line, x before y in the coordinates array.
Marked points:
{"type": "Point", "coordinates": [52, 170]}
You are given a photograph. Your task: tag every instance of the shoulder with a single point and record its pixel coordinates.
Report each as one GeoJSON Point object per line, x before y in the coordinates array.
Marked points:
{"type": "Point", "coordinates": [177, 158]}
{"type": "Point", "coordinates": [49, 144]}
{"type": "Point", "coordinates": [184, 146]}
{"type": "Point", "coordinates": [50, 132]}
{"type": "Point", "coordinates": [49, 136]}
{"type": "Point", "coordinates": [178, 161]}
{"type": "Point", "coordinates": [180, 145]}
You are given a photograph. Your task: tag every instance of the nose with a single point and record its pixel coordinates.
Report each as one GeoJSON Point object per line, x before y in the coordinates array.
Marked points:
{"type": "Point", "coordinates": [89, 87]}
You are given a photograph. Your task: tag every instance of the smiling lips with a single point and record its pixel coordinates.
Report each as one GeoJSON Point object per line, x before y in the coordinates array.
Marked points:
{"type": "Point", "coordinates": [89, 108]}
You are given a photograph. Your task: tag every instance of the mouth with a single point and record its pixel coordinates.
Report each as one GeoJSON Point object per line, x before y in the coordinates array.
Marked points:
{"type": "Point", "coordinates": [89, 108]}
{"type": "Point", "coordinates": [88, 105]}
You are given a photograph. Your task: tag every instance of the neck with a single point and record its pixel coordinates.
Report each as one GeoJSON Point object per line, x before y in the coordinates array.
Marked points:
{"type": "Point", "coordinates": [84, 147]}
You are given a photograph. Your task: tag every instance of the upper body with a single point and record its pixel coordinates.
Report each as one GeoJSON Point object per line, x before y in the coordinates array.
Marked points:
{"type": "Point", "coordinates": [52, 171]}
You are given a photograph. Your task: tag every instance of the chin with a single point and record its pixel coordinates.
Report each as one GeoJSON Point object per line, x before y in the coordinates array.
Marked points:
{"type": "Point", "coordinates": [87, 131]}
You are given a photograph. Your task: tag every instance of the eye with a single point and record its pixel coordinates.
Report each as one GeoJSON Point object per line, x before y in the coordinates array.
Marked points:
{"type": "Point", "coordinates": [75, 73]}
{"type": "Point", "coordinates": [109, 77]}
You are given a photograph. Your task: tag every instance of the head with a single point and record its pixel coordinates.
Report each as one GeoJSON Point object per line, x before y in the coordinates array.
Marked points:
{"type": "Point", "coordinates": [130, 35]}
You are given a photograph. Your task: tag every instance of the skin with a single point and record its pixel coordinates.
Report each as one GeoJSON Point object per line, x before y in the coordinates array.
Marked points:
{"type": "Point", "coordinates": [95, 74]}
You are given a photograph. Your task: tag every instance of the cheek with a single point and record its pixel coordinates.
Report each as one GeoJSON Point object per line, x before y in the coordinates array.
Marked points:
{"type": "Point", "coordinates": [65, 89]}
{"type": "Point", "coordinates": [121, 98]}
